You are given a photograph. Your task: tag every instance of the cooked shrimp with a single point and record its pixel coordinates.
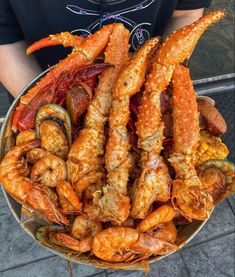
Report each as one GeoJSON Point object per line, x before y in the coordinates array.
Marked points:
{"type": "Point", "coordinates": [36, 154]}
{"type": "Point", "coordinates": [164, 231]}
{"type": "Point", "coordinates": [66, 240]}
{"type": "Point", "coordinates": [83, 226]}
{"type": "Point", "coordinates": [51, 194]}
{"type": "Point", "coordinates": [44, 202]}
{"type": "Point", "coordinates": [49, 170]}
{"type": "Point", "coordinates": [26, 136]}
{"type": "Point", "coordinates": [113, 244]}
{"type": "Point", "coordinates": [68, 200]}
{"type": "Point", "coordinates": [147, 245]}
{"type": "Point", "coordinates": [12, 180]}
{"type": "Point", "coordinates": [23, 189]}
{"type": "Point", "coordinates": [23, 168]}
{"type": "Point", "coordinates": [82, 233]}
{"type": "Point", "coordinates": [163, 214]}
{"type": "Point", "coordinates": [122, 244]}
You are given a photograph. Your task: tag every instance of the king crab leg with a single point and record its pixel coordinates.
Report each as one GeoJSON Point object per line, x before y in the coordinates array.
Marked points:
{"type": "Point", "coordinates": [89, 146]}
{"type": "Point", "coordinates": [176, 48]}
{"type": "Point", "coordinates": [187, 196]}
{"type": "Point", "coordinates": [114, 204]}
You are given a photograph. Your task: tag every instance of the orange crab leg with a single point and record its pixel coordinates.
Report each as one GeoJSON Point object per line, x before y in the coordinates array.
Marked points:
{"type": "Point", "coordinates": [176, 48]}
{"type": "Point", "coordinates": [187, 196]}
{"type": "Point", "coordinates": [16, 116]}
{"type": "Point", "coordinates": [64, 38]}
{"type": "Point", "coordinates": [185, 114]}
{"type": "Point", "coordinates": [85, 55]}
{"type": "Point", "coordinates": [94, 44]}
{"type": "Point", "coordinates": [180, 44]}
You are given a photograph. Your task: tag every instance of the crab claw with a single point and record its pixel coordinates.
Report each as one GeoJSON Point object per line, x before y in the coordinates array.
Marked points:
{"type": "Point", "coordinates": [89, 50]}
{"type": "Point", "coordinates": [84, 55]}
{"type": "Point", "coordinates": [64, 38]}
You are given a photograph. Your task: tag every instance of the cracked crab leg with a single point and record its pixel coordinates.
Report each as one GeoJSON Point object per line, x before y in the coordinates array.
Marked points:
{"type": "Point", "coordinates": [187, 196]}
{"type": "Point", "coordinates": [114, 204]}
{"type": "Point", "coordinates": [85, 162]}
{"type": "Point", "coordinates": [64, 38]}
{"type": "Point", "coordinates": [151, 186]}
{"type": "Point", "coordinates": [154, 180]}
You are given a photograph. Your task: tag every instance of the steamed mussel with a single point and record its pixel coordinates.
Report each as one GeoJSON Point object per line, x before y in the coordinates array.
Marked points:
{"type": "Point", "coordinates": [53, 127]}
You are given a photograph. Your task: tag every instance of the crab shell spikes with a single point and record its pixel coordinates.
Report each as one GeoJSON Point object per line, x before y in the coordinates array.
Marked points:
{"type": "Point", "coordinates": [180, 44]}
{"type": "Point", "coordinates": [133, 75]}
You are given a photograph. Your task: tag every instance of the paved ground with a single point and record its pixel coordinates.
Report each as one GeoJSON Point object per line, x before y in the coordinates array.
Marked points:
{"type": "Point", "coordinates": [211, 253]}
{"type": "Point", "coordinates": [214, 54]}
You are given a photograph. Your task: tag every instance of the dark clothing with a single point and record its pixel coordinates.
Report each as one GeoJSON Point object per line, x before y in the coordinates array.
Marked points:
{"type": "Point", "coordinates": [32, 20]}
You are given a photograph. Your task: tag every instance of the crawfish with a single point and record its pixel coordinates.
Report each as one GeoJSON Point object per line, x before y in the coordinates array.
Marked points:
{"type": "Point", "coordinates": [65, 72]}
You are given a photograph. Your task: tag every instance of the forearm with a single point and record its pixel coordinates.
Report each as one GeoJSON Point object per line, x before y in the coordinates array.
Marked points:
{"type": "Point", "coordinates": [17, 69]}
{"type": "Point", "coordinates": [182, 18]}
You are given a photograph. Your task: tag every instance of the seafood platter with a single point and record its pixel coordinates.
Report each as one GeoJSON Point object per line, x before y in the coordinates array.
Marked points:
{"type": "Point", "coordinates": [115, 163]}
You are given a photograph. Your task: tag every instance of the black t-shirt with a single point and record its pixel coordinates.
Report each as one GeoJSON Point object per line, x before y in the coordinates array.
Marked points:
{"type": "Point", "coordinates": [32, 20]}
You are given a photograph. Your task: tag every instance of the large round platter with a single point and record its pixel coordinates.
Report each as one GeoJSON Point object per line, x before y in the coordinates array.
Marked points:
{"type": "Point", "coordinates": [30, 225]}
